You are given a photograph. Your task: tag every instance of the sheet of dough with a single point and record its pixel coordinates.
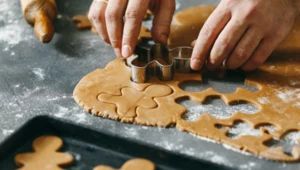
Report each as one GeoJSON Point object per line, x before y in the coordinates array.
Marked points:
{"type": "Point", "coordinates": [278, 98]}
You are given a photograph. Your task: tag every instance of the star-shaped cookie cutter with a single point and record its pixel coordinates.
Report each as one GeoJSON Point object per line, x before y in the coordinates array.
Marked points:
{"type": "Point", "coordinates": [158, 61]}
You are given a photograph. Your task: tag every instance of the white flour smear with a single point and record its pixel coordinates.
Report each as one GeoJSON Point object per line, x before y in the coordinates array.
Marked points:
{"type": "Point", "coordinates": [12, 25]}
{"type": "Point", "coordinates": [7, 132]}
{"type": "Point", "coordinates": [39, 72]}
{"type": "Point", "coordinates": [288, 95]}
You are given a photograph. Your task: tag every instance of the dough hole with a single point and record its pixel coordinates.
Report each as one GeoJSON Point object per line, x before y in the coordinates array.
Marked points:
{"type": "Point", "coordinates": [239, 128]}
{"type": "Point", "coordinates": [214, 106]}
{"type": "Point", "coordinates": [288, 142]}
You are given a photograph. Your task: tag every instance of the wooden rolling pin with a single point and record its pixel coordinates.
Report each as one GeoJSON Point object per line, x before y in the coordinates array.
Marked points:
{"type": "Point", "coordinates": [40, 14]}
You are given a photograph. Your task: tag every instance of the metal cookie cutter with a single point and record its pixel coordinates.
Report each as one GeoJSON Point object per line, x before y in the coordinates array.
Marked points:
{"type": "Point", "coordinates": [158, 61]}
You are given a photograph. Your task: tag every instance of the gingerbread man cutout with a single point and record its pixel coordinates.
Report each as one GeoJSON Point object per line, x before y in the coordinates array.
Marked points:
{"type": "Point", "coordinates": [132, 98]}
{"type": "Point", "coordinates": [133, 164]}
{"type": "Point", "coordinates": [45, 155]}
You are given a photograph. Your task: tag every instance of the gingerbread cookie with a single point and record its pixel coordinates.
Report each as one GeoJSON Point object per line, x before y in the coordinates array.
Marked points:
{"type": "Point", "coordinates": [45, 155]}
{"type": "Point", "coordinates": [133, 164]}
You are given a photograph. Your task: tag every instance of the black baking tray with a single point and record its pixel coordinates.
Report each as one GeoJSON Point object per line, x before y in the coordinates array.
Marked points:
{"type": "Point", "coordinates": [92, 147]}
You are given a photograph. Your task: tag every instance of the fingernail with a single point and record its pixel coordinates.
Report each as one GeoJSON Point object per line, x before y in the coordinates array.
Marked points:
{"type": "Point", "coordinates": [126, 51]}
{"type": "Point", "coordinates": [118, 52]}
{"type": "Point", "coordinates": [212, 59]}
{"type": "Point", "coordinates": [196, 64]}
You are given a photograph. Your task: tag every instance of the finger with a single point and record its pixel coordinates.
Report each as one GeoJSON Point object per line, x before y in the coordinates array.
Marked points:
{"type": "Point", "coordinates": [260, 55]}
{"type": "Point", "coordinates": [162, 20]}
{"type": "Point", "coordinates": [114, 23]}
{"type": "Point", "coordinates": [207, 36]}
{"type": "Point", "coordinates": [226, 42]}
{"type": "Point", "coordinates": [97, 17]}
{"type": "Point", "coordinates": [244, 50]}
{"type": "Point", "coordinates": [136, 10]}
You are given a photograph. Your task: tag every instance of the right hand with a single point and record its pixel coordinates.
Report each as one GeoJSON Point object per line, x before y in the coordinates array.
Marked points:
{"type": "Point", "coordinates": [121, 33]}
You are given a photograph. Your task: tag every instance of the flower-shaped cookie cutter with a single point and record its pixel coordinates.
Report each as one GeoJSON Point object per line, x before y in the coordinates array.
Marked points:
{"type": "Point", "coordinates": [158, 61]}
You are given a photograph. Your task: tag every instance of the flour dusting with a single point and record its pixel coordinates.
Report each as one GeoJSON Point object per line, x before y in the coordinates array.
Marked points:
{"type": "Point", "coordinates": [7, 132]}
{"type": "Point", "coordinates": [248, 166]}
{"type": "Point", "coordinates": [81, 117]}
{"type": "Point", "coordinates": [131, 131]}
{"type": "Point", "coordinates": [215, 158]}
{"type": "Point", "coordinates": [12, 31]}
{"type": "Point", "coordinates": [264, 100]}
{"type": "Point", "coordinates": [39, 72]}
{"type": "Point", "coordinates": [242, 129]}
{"type": "Point", "coordinates": [19, 115]}
{"type": "Point", "coordinates": [217, 108]}
{"type": "Point", "coordinates": [288, 95]}
{"type": "Point", "coordinates": [62, 111]}
{"type": "Point", "coordinates": [169, 145]}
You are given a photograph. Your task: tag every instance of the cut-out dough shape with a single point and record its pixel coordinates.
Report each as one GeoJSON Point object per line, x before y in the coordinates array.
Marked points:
{"type": "Point", "coordinates": [192, 19]}
{"type": "Point", "coordinates": [45, 155]}
{"type": "Point", "coordinates": [83, 23]}
{"type": "Point", "coordinates": [133, 164]}
{"type": "Point", "coordinates": [127, 104]}
{"type": "Point", "coordinates": [278, 100]}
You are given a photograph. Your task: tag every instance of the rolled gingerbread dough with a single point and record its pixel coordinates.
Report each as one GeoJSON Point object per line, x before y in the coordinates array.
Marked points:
{"type": "Point", "coordinates": [103, 93]}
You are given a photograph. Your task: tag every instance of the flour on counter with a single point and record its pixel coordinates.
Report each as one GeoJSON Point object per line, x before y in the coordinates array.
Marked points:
{"type": "Point", "coordinates": [11, 31]}
{"type": "Point", "coordinates": [169, 146]}
{"type": "Point", "coordinates": [248, 166]}
{"type": "Point", "coordinates": [39, 72]}
{"type": "Point", "coordinates": [215, 158]}
{"type": "Point", "coordinates": [19, 115]}
{"type": "Point", "coordinates": [131, 131]}
{"type": "Point", "coordinates": [7, 132]}
{"type": "Point", "coordinates": [62, 111]}
{"type": "Point", "coordinates": [81, 117]}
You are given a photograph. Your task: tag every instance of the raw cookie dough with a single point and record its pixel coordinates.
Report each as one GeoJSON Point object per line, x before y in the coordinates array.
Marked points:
{"type": "Point", "coordinates": [278, 98]}
{"type": "Point", "coordinates": [133, 164]}
{"type": "Point", "coordinates": [192, 19]}
{"type": "Point", "coordinates": [45, 155]}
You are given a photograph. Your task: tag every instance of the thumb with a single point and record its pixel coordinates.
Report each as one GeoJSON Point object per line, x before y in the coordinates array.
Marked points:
{"type": "Point", "coordinates": [162, 20]}
{"type": "Point", "coordinates": [193, 43]}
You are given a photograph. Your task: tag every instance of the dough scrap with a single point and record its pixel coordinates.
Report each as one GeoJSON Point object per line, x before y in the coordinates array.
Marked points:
{"type": "Point", "coordinates": [45, 155]}
{"type": "Point", "coordinates": [278, 100]}
{"type": "Point", "coordinates": [133, 164]}
{"type": "Point", "coordinates": [82, 22]}
{"type": "Point", "coordinates": [192, 19]}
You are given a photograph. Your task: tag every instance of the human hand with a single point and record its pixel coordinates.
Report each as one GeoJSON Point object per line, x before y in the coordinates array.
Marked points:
{"type": "Point", "coordinates": [243, 33]}
{"type": "Point", "coordinates": [122, 33]}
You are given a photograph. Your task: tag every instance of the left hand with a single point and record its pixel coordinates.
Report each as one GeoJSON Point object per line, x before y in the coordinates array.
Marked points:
{"type": "Point", "coordinates": [243, 33]}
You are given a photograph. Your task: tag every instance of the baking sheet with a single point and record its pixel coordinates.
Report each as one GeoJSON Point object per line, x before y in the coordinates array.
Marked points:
{"type": "Point", "coordinates": [91, 148]}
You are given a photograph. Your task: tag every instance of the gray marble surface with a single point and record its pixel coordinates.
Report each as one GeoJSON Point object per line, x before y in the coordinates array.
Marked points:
{"type": "Point", "coordinates": [38, 79]}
